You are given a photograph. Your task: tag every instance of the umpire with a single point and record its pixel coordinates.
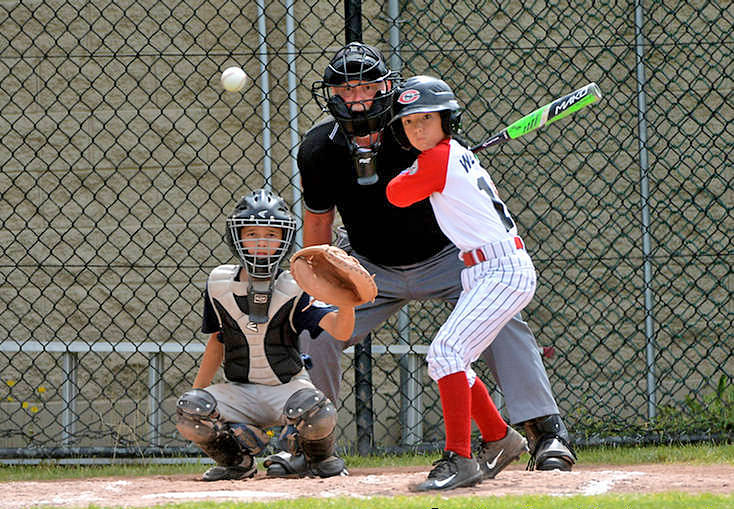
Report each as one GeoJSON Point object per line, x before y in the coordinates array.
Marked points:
{"type": "Point", "coordinates": [345, 164]}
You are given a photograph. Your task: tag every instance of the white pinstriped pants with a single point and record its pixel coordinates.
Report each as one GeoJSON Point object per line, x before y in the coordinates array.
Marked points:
{"type": "Point", "coordinates": [492, 293]}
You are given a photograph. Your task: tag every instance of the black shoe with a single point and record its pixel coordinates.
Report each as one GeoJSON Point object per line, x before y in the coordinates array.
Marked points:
{"type": "Point", "coordinates": [329, 467]}
{"type": "Point", "coordinates": [244, 470]}
{"type": "Point", "coordinates": [493, 457]}
{"type": "Point", "coordinates": [549, 444]}
{"type": "Point", "coordinates": [452, 471]}
{"type": "Point", "coordinates": [285, 464]}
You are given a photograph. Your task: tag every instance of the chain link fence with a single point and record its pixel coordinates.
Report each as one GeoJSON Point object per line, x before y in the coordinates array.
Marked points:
{"type": "Point", "coordinates": [121, 154]}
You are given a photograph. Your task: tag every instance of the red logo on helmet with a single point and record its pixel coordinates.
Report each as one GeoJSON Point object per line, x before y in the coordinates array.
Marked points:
{"type": "Point", "coordinates": [409, 96]}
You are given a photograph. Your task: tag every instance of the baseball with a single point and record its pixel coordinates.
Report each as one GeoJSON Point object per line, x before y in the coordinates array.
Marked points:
{"type": "Point", "coordinates": [233, 79]}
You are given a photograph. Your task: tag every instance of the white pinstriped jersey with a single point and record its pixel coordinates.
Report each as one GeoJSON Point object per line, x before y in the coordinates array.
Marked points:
{"type": "Point", "coordinates": [464, 198]}
{"type": "Point", "coordinates": [470, 213]}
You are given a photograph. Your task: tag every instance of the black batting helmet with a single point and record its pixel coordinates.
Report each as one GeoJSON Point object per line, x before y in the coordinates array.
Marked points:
{"type": "Point", "coordinates": [422, 94]}
{"type": "Point", "coordinates": [356, 64]}
{"type": "Point", "coordinates": [260, 208]}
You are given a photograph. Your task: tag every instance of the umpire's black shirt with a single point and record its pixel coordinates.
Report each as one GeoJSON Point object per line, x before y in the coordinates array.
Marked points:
{"type": "Point", "coordinates": [381, 232]}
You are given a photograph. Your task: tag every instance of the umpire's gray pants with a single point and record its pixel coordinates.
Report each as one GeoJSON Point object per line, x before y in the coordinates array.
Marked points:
{"type": "Point", "coordinates": [513, 357]}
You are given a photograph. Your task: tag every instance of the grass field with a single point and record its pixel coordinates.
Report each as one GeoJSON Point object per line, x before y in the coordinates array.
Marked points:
{"type": "Point", "coordinates": [664, 501]}
{"type": "Point", "coordinates": [688, 455]}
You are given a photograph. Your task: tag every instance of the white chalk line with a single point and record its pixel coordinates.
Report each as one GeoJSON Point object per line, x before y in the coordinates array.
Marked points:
{"type": "Point", "coordinates": [603, 482]}
{"type": "Point", "coordinates": [220, 494]}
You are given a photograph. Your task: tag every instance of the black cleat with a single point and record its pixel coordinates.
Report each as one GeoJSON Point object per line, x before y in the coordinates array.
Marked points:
{"type": "Point", "coordinates": [329, 467]}
{"type": "Point", "coordinates": [244, 470]}
{"type": "Point", "coordinates": [493, 457]}
{"type": "Point", "coordinates": [452, 471]}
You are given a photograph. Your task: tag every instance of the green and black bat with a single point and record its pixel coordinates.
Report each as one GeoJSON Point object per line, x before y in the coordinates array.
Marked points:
{"type": "Point", "coordinates": [556, 110]}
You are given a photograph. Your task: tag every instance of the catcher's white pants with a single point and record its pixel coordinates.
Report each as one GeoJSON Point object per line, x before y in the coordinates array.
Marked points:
{"type": "Point", "coordinates": [256, 404]}
{"type": "Point", "coordinates": [492, 293]}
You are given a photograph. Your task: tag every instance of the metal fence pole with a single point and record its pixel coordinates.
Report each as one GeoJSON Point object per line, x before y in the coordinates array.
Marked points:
{"type": "Point", "coordinates": [265, 92]}
{"type": "Point", "coordinates": [644, 198]}
{"type": "Point", "coordinates": [363, 350]}
{"type": "Point", "coordinates": [393, 13]}
{"type": "Point", "coordinates": [293, 117]}
{"type": "Point", "coordinates": [411, 391]}
{"type": "Point", "coordinates": [363, 396]}
{"type": "Point", "coordinates": [352, 20]}
{"type": "Point", "coordinates": [68, 397]}
{"type": "Point", "coordinates": [155, 396]}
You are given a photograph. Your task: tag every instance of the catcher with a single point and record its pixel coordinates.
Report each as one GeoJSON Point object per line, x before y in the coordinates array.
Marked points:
{"type": "Point", "coordinates": [254, 312]}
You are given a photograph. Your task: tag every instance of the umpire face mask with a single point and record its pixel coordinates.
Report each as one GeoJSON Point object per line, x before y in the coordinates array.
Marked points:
{"type": "Point", "coordinates": [363, 123]}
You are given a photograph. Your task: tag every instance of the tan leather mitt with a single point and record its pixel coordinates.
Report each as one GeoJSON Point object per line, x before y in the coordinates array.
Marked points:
{"type": "Point", "coordinates": [330, 275]}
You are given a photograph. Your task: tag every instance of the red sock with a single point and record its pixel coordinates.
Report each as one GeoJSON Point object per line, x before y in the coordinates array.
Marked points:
{"type": "Point", "coordinates": [485, 413]}
{"type": "Point", "coordinates": [456, 404]}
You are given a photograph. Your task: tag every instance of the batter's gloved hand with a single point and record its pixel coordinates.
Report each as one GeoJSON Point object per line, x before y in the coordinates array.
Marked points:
{"type": "Point", "coordinates": [330, 275]}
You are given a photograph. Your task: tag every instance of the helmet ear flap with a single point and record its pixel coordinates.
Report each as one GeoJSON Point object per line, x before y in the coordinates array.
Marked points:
{"type": "Point", "coordinates": [451, 121]}
{"type": "Point", "coordinates": [455, 121]}
{"type": "Point", "coordinates": [400, 136]}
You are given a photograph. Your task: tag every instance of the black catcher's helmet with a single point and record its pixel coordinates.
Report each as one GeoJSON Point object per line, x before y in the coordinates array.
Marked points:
{"type": "Point", "coordinates": [356, 62]}
{"type": "Point", "coordinates": [422, 94]}
{"type": "Point", "coordinates": [260, 208]}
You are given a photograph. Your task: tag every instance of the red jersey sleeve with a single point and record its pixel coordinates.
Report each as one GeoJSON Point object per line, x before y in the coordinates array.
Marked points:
{"type": "Point", "coordinates": [426, 176]}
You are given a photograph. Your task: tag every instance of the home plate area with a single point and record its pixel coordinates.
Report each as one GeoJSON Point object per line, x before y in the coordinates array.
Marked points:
{"type": "Point", "coordinates": [366, 483]}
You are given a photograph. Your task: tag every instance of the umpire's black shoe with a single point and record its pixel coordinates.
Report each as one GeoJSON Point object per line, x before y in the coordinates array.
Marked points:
{"type": "Point", "coordinates": [452, 471]}
{"type": "Point", "coordinates": [244, 470]}
{"type": "Point", "coordinates": [493, 457]}
{"type": "Point", "coordinates": [549, 444]}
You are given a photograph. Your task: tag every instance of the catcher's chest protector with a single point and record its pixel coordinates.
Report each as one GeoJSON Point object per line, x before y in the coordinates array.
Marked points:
{"type": "Point", "coordinates": [222, 289]}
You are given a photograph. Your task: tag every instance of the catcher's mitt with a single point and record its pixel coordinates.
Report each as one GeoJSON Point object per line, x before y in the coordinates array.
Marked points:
{"type": "Point", "coordinates": [330, 275]}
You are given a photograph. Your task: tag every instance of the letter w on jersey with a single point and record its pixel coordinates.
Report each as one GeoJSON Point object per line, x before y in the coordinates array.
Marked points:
{"type": "Point", "coordinates": [467, 161]}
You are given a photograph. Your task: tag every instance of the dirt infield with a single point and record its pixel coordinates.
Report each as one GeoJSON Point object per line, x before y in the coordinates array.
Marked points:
{"type": "Point", "coordinates": [150, 491]}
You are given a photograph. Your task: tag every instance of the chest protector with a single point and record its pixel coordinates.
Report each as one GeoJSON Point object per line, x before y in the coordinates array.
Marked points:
{"type": "Point", "coordinates": [257, 353]}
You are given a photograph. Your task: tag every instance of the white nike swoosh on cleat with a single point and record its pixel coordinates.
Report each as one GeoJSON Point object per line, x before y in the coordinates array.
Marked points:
{"type": "Point", "coordinates": [441, 484]}
{"type": "Point", "coordinates": [494, 461]}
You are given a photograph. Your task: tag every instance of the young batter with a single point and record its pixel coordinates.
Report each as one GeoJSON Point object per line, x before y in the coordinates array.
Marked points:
{"type": "Point", "coordinates": [497, 282]}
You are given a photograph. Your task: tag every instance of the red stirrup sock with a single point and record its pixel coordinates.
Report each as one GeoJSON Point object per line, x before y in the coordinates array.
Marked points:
{"type": "Point", "coordinates": [456, 404]}
{"type": "Point", "coordinates": [485, 413]}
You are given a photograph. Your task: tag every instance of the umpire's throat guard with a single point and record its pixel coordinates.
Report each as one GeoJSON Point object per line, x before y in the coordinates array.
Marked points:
{"type": "Point", "coordinates": [364, 162]}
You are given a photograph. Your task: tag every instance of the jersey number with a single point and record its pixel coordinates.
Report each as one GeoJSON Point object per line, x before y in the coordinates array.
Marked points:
{"type": "Point", "coordinates": [498, 205]}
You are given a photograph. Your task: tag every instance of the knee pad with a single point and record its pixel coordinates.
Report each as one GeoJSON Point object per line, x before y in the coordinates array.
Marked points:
{"type": "Point", "coordinates": [197, 416]}
{"type": "Point", "coordinates": [226, 443]}
{"type": "Point", "coordinates": [310, 423]}
{"type": "Point", "coordinates": [311, 413]}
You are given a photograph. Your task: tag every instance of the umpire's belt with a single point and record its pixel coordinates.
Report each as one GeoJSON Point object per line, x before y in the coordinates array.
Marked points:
{"type": "Point", "coordinates": [490, 251]}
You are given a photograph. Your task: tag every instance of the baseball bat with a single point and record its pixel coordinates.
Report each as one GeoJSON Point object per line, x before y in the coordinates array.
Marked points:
{"type": "Point", "coordinates": [545, 115]}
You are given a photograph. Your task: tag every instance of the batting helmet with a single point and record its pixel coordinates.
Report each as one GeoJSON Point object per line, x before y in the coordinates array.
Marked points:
{"type": "Point", "coordinates": [260, 208]}
{"type": "Point", "coordinates": [423, 94]}
{"type": "Point", "coordinates": [356, 64]}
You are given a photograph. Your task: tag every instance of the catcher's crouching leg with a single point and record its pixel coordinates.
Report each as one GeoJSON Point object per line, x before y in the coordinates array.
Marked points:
{"type": "Point", "coordinates": [232, 446]}
{"type": "Point", "coordinates": [549, 444]}
{"type": "Point", "coordinates": [309, 435]}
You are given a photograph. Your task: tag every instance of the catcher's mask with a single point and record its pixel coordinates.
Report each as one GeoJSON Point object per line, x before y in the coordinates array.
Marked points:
{"type": "Point", "coordinates": [265, 209]}
{"type": "Point", "coordinates": [355, 65]}
{"type": "Point", "coordinates": [423, 94]}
